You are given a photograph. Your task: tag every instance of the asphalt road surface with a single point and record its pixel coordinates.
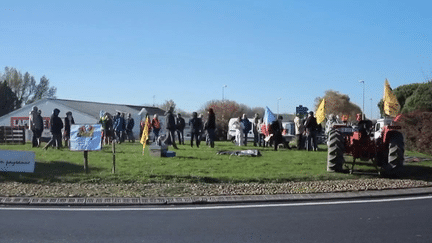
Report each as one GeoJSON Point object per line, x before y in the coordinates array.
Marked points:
{"type": "Point", "coordinates": [386, 220]}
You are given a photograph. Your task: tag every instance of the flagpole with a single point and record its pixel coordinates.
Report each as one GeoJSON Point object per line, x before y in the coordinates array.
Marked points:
{"type": "Point", "coordinates": [362, 81]}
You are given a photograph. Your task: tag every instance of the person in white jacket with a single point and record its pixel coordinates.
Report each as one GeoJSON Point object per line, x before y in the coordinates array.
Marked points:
{"type": "Point", "coordinates": [239, 136]}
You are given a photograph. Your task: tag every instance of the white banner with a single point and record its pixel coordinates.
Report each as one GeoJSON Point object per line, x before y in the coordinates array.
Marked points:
{"type": "Point", "coordinates": [17, 161]}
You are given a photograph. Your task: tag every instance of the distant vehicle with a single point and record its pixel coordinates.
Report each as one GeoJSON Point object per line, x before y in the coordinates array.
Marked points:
{"type": "Point", "coordinates": [289, 130]}
{"type": "Point", "coordinates": [231, 131]}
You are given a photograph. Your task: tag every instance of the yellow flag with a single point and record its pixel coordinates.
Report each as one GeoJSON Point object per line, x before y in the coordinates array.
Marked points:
{"type": "Point", "coordinates": [145, 133]}
{"type": "Point", "coordinates": [391, 104]}
{"type": "Point", "coordinates": [320, 113]}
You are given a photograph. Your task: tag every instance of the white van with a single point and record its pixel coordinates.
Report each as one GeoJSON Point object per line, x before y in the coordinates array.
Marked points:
{"type": "Point", "coordinates": [231, 131]}
{"type": "Point", "coordinates": [289, 130]}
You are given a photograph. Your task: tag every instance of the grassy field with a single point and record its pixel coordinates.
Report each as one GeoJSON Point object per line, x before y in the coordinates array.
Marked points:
{"type": "Point", "coordinates": [192, 165]}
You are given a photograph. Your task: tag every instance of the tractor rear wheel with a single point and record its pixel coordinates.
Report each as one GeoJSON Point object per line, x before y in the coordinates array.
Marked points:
{"type": "Point", "coordinates": [395, 155]}
{"type": "Point", "coordinates": [335, 159]}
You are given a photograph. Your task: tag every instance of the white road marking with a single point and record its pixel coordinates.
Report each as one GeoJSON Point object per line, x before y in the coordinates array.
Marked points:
{"type": "Point", "coordinates": [165, 208]}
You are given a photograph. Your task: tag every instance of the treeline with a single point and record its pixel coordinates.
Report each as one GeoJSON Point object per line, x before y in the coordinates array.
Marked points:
{"type": "Point", "coordinates": [17, 89]}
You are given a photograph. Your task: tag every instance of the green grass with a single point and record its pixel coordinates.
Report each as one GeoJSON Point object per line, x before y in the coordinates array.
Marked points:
{"type": "Point", "coordinates": [191, 165]}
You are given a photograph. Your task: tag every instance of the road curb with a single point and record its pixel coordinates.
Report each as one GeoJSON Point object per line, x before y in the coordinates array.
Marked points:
{"type": "Point", "coordinates": [233, 199]}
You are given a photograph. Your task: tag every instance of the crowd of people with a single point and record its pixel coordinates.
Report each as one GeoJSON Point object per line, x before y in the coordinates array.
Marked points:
{"type": "Point", "coordinates": [264, 135]}
{"type": "Point", "coordinates": [119, 129]}
{"type": "Point", "coordinates": [36, 125]}
{"type": "Point", "coordinates": [175, 125]}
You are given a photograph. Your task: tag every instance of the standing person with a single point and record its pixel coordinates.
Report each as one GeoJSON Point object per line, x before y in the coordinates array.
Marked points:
{"type": "Point", "coordinates": [102, 121]}
{"type": "Point", "coordinates": [109, 128]}
{"type": "Point", "coordinates": [196, 125]}
{"type": "Point", "coordinates": [119, 124]}
{"type": "Point", "coordinates": [36, 126]}
{"type": "Point", "coordinates": [69, 120]}
{"type": "Point", "coordinates": [201, 130]}
{"type": "Point", "coordinates": [130, 123]}
{"type": "Point", "coordinates": [239, 136]}
{"type": "Point", "coordinates": [261, 135]}
{"type": "Point", "coordinates": [56, 126]}
{"type": "Point", "coordinates": [39, 125]}
{"type": "Point", "coordinates": [32, 117]}
{"type": "Point", "coordinates": [299, 129]}
{"type": "Point", "coordinates": [211, 126]}
{"type": "Point", "coordinates": [255, 129]}
{"type": "Point", "coordinates": [155, 124]}
{"type": "Point", "coordinates": [277, 128]}
{"type": "Point", "coordinates": [170, 126]}
{"type": "Point", "coordinates": [180, 124]}
{"type": "Point", "coordinates": [247, 126]}
{"type": "Point", "coordinates": [311, 131]}
{"type": "Point", "coordinates": [264, 133]}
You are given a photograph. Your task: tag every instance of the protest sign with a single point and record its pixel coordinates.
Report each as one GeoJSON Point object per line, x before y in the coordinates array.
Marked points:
{"type": "Point", "coordinates": [85, 137]}
{"type": "Point", "coordinates": [17, 161]}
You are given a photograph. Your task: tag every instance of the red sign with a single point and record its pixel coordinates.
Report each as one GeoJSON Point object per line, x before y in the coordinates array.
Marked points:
{"type": "Point", "coordinates": [24, 122]}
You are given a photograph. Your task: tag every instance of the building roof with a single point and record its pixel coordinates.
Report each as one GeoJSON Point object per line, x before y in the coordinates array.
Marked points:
{"type": "Point", "coordinates": [93, 108]}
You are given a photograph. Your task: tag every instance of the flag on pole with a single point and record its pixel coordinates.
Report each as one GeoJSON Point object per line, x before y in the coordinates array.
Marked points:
{"type": "Point", "coordinates": [268, 119]}
{"type": "Point", "coordinates": [145, 134]}
{"type": "Point", "coordinates": [320, 113]}
{"type": "Point", "coordinates": [391, 104]}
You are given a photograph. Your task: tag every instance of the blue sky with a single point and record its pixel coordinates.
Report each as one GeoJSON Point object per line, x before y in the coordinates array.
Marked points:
{"type": "Point", "coordinates": [131, 51]}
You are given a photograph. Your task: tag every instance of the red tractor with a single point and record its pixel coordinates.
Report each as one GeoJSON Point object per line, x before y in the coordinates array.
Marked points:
{"type": "Point", "coordinates": [382, 144]}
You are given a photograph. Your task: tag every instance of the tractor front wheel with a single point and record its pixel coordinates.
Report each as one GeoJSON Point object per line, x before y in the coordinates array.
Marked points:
{"type": "Point", "coordinates": [395, 155]}
{"type": "Point", "coordinates": [335, 159]}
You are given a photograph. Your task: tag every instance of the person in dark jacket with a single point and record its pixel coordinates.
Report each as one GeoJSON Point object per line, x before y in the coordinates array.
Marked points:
{"type": "Point", "coordinates": [311, 131]}
{"type": "Point", "coordinates": [171, 126]}
{"type": "Point", "coordinates": [36, 126]}
{"type": "Point", "coordinates": [119, 127]}
{"type": "Point", "coordinates": [69, 120]}
{"type": "Point", "coordinates": [130, 123]}
{"type": "Point", "coordinates": [211, 126]}
{"type": "Point", "coordinates": [277, 128]}
{"type": "Point", "coordinates": [247, 126]}
{"type": "Point", "coordinates": [196, 125]}
{"type": "Point", "coordinates": [180, 124]}
{"type": "Point", "coordinates": [56, 126]}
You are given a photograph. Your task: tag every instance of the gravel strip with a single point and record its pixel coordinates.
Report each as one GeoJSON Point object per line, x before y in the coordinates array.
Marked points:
{"type": "Point", "coordinates": [15, 189]}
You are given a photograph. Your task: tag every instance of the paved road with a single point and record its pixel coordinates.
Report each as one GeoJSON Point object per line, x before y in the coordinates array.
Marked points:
{"type": "Point", "coordinates": [377, 220]}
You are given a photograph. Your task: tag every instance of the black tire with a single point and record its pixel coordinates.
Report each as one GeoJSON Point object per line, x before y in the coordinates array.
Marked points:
{"type": "Point", "coordinates": [395, 155]}
{"type": "Point", "coordinates": [335, 159]}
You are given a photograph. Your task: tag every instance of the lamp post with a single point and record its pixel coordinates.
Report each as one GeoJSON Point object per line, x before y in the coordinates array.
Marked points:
{"type": "Point", "coordinates": [223, 87]}
{"type": "Point", "coordinates": [371, 108]}
{"type": "Point", "coordinates": [362, 81]}
{"type": "Point", "coordinates": [278, 105]}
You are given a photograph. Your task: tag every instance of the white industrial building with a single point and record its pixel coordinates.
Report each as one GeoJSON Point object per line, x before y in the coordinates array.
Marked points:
{"type": "Point", "coordinates": [84, 112]}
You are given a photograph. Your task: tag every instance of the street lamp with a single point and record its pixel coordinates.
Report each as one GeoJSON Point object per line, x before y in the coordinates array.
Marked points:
{"type": "Point", "coordinates": [223, 87]}
{"type": "Point", "coordinates": [371, 108]}
{"type": "Point", "coordinates": [278, 105]}
{"type": "Point", "coordinates": [362, 81]}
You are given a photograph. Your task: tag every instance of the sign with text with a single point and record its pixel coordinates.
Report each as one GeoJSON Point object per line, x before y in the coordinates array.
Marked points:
{"type": "Point", "coordinates": [301, 110]}
{"type": "Point", "coordinates": [85, 137]}
{"type": "Point", "coordinates": [17, 161]}
{"type": "Point", "coordinates": [24, 122]}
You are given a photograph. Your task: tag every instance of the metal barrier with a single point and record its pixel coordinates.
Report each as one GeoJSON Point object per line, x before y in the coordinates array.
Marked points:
{"type": "Point", "coordinates": [12, 135]}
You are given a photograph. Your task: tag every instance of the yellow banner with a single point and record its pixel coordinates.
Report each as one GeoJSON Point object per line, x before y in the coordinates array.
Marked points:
{"type": "Point", "coordinates": [145, 133]}
{"type": "Point", "coordinates": [391, 104]}
{"type": "Point", "coordinates": [320, 113]}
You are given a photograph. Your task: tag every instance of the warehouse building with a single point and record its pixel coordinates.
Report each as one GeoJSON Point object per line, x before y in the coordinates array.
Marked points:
{"type": "Point", "coordinates": [84, 112]}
